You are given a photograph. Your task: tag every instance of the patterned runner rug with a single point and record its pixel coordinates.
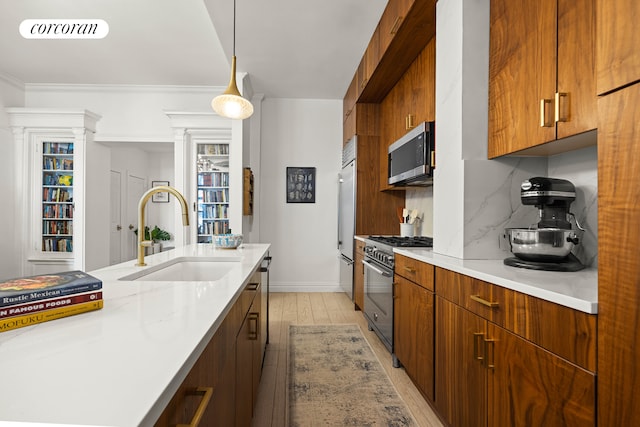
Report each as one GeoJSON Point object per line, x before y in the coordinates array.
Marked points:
{"type": "Point", "coordinates": [335, 379]}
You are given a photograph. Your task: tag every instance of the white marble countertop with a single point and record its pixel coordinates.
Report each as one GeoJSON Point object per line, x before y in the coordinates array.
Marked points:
{"type": "Point", "coordinates": [121, 365]}
{"type": "Point", "coordinates": [578, 290]}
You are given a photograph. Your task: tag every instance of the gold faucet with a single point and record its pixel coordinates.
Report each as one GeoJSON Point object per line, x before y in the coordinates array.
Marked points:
{"type": "Point", "coordinates": [142, 203]}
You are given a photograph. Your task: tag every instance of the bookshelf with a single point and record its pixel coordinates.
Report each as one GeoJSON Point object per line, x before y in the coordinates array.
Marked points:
{"type": "Point", "coordinates": [57, 196]}
{"type": "Point", "coordinates": [212, 163]}
{"type": "Point", "coordinates": [60, 190]}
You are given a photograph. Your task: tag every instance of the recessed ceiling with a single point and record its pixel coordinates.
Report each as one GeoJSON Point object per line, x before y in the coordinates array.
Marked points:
{"type": "Point", "coordinates": [289, 48]}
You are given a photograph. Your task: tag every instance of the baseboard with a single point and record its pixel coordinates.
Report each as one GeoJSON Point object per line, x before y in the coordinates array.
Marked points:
{"type": "Point", "coordinates": [304, 287]}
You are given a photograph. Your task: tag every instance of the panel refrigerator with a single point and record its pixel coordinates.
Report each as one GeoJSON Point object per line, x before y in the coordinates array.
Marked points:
{"type": "Point", "coordinates": [346, 215]}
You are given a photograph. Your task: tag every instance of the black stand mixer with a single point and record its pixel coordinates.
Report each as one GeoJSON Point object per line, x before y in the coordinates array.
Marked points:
{"type": "Point", "coordinates": [548, 245]}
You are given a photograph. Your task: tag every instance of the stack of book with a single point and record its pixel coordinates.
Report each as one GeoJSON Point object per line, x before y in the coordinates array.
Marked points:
{"type": "Point", "coordinates": [29, 300]}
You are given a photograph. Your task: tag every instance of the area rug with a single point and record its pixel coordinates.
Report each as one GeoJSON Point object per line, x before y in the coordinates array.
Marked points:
{"type": "Point", "coordinates": [335, 379]}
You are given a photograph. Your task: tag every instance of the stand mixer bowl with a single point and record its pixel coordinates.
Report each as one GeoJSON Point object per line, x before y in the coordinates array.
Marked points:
{"type": "Point", "coordinates": [542, 244]}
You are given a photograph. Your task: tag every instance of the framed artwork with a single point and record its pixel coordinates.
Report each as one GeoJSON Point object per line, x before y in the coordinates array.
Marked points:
{"type": "Point", "coordinates": [301, 185]}
{"type": "Point", "coordinates": [160, 197]}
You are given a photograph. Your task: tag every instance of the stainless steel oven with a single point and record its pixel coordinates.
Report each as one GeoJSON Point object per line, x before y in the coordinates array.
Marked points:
{"type": "Point", "coordinates": [378, 296]}
{"type": "Point", "coordinates": [378, 283]}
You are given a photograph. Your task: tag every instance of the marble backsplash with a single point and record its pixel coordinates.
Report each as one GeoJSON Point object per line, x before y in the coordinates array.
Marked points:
{"type": "Point", "coordinates": [492, 201]}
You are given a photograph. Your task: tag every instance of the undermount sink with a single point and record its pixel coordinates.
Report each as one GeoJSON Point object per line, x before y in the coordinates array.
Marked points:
{"type": "Point", "coordinates": [186, 269]}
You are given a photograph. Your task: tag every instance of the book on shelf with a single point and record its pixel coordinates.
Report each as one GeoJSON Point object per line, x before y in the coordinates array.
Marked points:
{"type": "Point", "coordinates": [48, 304]}
{"type": "Point", "coordinates": [21, 321]}
{"type": "Point", "coordinates": [34, 288]}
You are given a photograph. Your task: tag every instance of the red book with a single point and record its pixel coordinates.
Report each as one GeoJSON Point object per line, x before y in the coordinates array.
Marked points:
{"type": "Point", "coordinates": [48, 304]}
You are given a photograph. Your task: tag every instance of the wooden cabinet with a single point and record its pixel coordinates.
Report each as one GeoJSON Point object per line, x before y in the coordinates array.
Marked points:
{"type": "Point", "coordinates": [221, 387]}
{"type": "Point", "coordinates": [461, 384]}
{"type": "Point", "coordinates": [414, 323]}
{"type": "Point", "coordinates": [375, 210]}
{"type": "Point", "coordinates": [617, 53]}
{"type": "Point", "coordinates": [528, 386]}
{"type": "Point", "coordinates": [249, 354]}
{"type": "Point", "coordinates": [247, 187]}
{"type": "Point", "coordinates": [410, 102]}
{"type": "Point", "coordinates": [501, 359]}
{"type": "Point", "coordinates": [358, 274]}
{"type": "Point", "coordinates": [541, 74]}
{"type": "Point", "coordinates": [208, 391]}
{"type": "Point", "coordinates": [618, 267]}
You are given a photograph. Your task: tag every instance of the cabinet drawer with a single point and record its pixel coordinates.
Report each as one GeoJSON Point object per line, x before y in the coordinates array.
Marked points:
{"type": "Point", "coordinates": [569, 333]}
{"type": "Point", "coordinates": [491, 302]}
{"type": "Point", "coordinates": [249, 292]}
{"type": "Point", "coordinates": [416, 271]}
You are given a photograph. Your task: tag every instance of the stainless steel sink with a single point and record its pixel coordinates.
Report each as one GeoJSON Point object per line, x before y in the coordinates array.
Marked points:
{"type": "Point", "coordinates": [186, 269]}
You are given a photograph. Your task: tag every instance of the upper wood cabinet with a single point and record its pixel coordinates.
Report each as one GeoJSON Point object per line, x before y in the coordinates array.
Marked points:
{"type": "Point", "coordinates": [618, 41]}
{"type": "Point", "coordinates": [406, 26]}
{"type": "Point", "coordinates": [410, 102]}
{"type": "Point", "coordinates": [541, 73]}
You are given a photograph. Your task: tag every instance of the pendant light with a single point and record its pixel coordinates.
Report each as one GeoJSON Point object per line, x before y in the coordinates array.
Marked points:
{"type": "Point", "coordinates": [230, 103]}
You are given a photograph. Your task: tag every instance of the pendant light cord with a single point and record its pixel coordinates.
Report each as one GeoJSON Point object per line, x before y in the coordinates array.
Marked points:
{"type": "Point", "coordinates": [234, 27]}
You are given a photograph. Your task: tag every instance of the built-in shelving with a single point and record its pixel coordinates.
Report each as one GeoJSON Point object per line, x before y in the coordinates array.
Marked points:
{"type": "Point", "coordinates": [212, 190]}
{"type": "Point", "coordinates": [57, 196]}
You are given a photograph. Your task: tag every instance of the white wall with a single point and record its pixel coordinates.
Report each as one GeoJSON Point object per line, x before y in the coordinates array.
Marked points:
{"type": "Point", "coordinates": [304, 133]}
{"type": "Point", "coordinates": [11, 95]}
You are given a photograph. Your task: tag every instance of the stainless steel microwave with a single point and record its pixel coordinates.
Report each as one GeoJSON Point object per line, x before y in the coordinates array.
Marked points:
{"type": "Point", "coordinates": [412, 157]}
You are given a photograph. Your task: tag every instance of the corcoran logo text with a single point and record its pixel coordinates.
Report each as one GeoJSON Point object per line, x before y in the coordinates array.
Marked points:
{"type": "Point", "coordinates": [64, 29]}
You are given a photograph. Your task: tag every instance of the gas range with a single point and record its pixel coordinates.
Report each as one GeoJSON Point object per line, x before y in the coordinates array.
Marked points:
{"type": "Point", "coordinates": [380, 248]}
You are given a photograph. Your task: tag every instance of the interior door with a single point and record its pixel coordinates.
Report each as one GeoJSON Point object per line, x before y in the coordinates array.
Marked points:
{"type": "Point", "coordinates": [115, 227]}
{"type": "Point", "coordinates": [136, 186]}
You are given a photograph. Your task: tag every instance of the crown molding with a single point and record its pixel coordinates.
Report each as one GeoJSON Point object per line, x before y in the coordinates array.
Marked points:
{"type": "Point", "coordinates": [57, 87]}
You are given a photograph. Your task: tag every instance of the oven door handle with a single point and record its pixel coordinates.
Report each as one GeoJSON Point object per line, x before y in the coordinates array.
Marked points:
{"type": "Point", "coordinates": [376, 269]}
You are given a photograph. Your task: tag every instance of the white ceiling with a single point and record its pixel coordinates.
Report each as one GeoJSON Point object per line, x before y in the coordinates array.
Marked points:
{"type": "Point", "coordinates": [289, 48]}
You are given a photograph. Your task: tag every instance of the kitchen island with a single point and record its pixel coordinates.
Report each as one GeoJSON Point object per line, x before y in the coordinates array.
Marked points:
{"type": "Point", "coordinates": [121, 365]}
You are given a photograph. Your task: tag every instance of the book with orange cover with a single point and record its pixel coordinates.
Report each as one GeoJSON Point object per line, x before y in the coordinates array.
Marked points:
{"type": "Point", "coordinates": [47, 315]}
{"type": "Point", "coordinates": [33, 288]}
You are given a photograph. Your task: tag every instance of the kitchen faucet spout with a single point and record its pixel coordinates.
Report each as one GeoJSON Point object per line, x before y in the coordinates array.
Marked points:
{"type": "Point", "coordinates": [142, 243]}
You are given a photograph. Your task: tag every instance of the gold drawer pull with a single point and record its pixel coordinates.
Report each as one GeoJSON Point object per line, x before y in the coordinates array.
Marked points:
{"type": "Point", "coordinates": [562, 114]}
{"type": "Point", "coordinates": [484, 301]}
{"type": "Point", "coordinates": [253, 332]}
{"type": "Point", "coordinates": [477, 338]}
{"type": "Point", "coordinates": [489, 356]}
{"type": "Point", "coordinates": [410, 270]}
{"type": "Point", "coordinates": [253, 286]}
{"type": "Point", "coordinates": [396, 25]}
{"type": "Point", "coordinates": [206, 393]}
{"type": "Point", "coordinates": [545, 120]}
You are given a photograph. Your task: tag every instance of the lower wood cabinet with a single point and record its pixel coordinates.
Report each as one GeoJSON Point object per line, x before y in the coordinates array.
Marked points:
{"type": "Point", "coordinates": [413, 333]}
{"type": "Point", "coordinates": [221, 387]}
{"type": "Point", "coordinates": [248, 364]}
{"type": "Point", "coordinates": [489, 376]}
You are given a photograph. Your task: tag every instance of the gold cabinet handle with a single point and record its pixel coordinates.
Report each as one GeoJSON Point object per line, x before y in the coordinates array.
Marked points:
{"type": "Point", "coordinates": [489, 356]}
{"type": "Point", "coordinates": [396, 25]}
{"type": "Point", "coordinates": [545, 120]}
{"type": "Point", "coordinates": [408, 122]}
{"type": "Point", "coordinates": [410, 270]}
{"type": "Point", "coordinates": [253, 318]}
{"type": "Point", "coordinates": [478, 337]}
{"type": "Point", "coordinates": [253, 286]}
{"type": "Point", "coordinates": [483, 301]}
{"type": "Point", "coordinates": [562, 107]}
{"type": "Point", "coordinates": [206, 393]}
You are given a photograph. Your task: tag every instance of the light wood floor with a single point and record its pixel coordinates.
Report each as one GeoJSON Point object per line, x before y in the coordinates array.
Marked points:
{"type": "Point", "coordinates": [320, 308]}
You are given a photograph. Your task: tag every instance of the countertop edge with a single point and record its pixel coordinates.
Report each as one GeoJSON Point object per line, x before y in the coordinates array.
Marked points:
{"type": "Point", "coordinates": [494, 271]}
